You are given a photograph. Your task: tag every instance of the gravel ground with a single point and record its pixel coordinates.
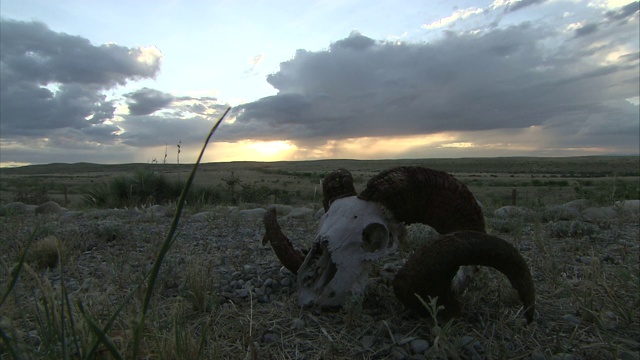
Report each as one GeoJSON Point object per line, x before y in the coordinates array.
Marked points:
{"type": "Point", "coordinates": [219, 278]}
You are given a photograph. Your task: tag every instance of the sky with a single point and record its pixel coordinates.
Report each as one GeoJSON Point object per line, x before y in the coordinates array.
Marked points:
{"type": "Point", "coordinates": [141, 81]}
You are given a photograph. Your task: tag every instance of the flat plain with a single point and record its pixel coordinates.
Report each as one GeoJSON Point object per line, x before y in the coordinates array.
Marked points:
{"type": "Point", "coordinates": [222, 294]}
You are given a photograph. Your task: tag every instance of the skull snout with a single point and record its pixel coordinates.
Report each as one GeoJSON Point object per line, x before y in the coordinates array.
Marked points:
{"type": "Point", "coordinates": [316, 276]}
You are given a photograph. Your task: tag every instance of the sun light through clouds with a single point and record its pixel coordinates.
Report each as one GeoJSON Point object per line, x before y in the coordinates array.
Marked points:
{"type": "Point", "coordinates": [272, 149]}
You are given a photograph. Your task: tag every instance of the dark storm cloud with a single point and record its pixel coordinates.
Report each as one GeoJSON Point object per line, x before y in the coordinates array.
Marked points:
{"type": "Point", "coordinates": [151, 130]}
{"type": "Point", "coordinates": [51, 80]}
{"type": "Point", "coordinates": [147, 101]}
{"type": "Point", "coordinates": [499, 79]}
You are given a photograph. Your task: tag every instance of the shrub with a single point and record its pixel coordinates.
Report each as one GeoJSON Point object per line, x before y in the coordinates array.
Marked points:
{"type": "Point", "coordinates": [144, 188]}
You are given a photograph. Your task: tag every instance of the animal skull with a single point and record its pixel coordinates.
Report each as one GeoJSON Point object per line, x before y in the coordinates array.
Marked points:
{"type": "Point", "coordinates": [353, 234]}
{"type": "Point", "coordinates": [358, 230]}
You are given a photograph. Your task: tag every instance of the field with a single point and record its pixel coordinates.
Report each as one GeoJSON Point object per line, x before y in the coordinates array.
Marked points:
{"type": "Point", "coordinates": [221, 294]}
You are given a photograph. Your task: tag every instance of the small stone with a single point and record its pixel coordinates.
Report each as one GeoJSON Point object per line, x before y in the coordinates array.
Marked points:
{"type": "Point", "coordinates": [367, 341]}
{"type": "Point", "coordinates": [259, 291]}
{"type": "Point", "coordinates": [236, 275]}
{"type": "Point", "coordinates": [537, 355]}
{"type": "Point", "coordinates": [286, 282]}
{"type": "Point", "coordinates": [585, 260]}
{"type": "Point", "coordinates": [571, 319]}
{"type": "Point", "coordinates": [271, 338]}
{"type": "Point", "coordinates": [50, 207]}
{"type": "Point", "coordinates": [398, 353]}
{"type": "Point", "coordinates": [299, 212]}
{"type": "Point", "coordinates": [16, 207]}
{"type": "Point", "coordinates": [419, 346]}
{"type": "Point", "coordinates": [269, 282]}
{"type": "Point", "coordinates": [297, 324]}
{"type": "Point", "coordinates": [627, 355]}
{"type": "Point", "coordinates": [563, 356]}
{"type": "Point", "coordinates": [470, 344]}
{"type": "Point", "coordinates": [242, 293]}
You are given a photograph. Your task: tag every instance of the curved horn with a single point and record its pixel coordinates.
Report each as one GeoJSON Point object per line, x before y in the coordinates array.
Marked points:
{"type": "Point", "coordinates": [427, 196]}
{"type": "Point", "coordinates": [337, 184]}
{"type": "Point", "coordinates": [288, 255]}
{"type": "Point", "coordinates": [430, 270]}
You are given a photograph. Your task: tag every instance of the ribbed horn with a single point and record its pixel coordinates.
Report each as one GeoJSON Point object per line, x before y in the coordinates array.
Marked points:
{"type": "Point", "coordinates": [337, 184]}
{"type": "Point", "coordinates": [430, 270]}
{"type": "Point", "coordinates": [427, 196]}
{"type": "Point", "coordinates": [282, 246]}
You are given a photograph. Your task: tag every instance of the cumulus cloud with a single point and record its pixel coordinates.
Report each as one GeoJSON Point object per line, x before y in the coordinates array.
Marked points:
{"type": "Point", "coordinates": [482, 79]}
{"type": "Point", "coordinates": [147, 101]}
{"type": "Point", "coordinates": [52, 81]}
{"type": "Point", "coordinates": [507, 78]}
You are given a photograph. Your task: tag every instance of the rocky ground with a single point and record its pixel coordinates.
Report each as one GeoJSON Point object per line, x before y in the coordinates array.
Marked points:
{"type": "Point", "coordinates": [220, 284]}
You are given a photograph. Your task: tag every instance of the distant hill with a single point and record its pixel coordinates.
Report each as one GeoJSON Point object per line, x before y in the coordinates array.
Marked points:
{"type": "Point", "coordinates": [574, 166]}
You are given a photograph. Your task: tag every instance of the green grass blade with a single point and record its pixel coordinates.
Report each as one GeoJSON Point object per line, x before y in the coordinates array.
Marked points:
{"type": "Point", "coordinates": [102, 336]}
{"type": "Point", "coordinates": [169, 239]}
{"type": "Point", "coordinates": [16, 272]}
{"type": "Point", "coordinates": [114, 316]}
{"type": "Point", "coordinates": [8, 343]}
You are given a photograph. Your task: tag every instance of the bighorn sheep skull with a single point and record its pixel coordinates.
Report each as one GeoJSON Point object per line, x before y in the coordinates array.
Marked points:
{"type": "Point", "coordinates": [357, 230]}
{"type": "Point", "coordinates": [352, 235]}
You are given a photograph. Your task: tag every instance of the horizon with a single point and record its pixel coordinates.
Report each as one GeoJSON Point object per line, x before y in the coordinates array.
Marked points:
{"type": "Point", "coordinates": [327, 160]}
{"type": "Point", "coordinates": [127, 83]}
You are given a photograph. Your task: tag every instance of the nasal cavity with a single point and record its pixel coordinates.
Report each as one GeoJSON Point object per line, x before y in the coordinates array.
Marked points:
{"type": "Point", "coordinates": [375, 236]}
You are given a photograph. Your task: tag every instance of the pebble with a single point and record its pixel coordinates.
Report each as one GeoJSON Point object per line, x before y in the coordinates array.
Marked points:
{"type": "Point", "coordinates": [470, 344]}
{"type": "Point", "coordinates": [271, 337]}
{"type": "Point", "coordinates": [628, 355]}
{"type": "Point", "coordinates": [286, 282]}
{"type": "Point", "coordinates": [571, 319]}
{"type": "Point", "coordinates": [398, 353]}
{"type": "Point", "coordinates": [537, 355]}
{"type": "Point", "coordinates": [50, 207]}
{"type": "Point", "coordinates": [563, 356]}
{"type": "Point", "coordinates": [297, 324]}
{"type": "Point", "coordinates": [367, 341]}
{"type": "Point", "coordinates": [242, 293]}
{"type": "Point", "coordinates": [419, 346]}
{"type": "Point", "coordinates": [16, 207]}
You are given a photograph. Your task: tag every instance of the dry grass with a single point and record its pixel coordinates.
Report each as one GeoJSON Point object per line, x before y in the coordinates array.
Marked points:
{"type": "Point", "coordinates": [587, 295]}
{"type": "Point", "coordinates": [587, 288]}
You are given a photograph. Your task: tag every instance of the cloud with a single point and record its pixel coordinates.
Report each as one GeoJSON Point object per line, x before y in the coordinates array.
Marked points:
{"type": "Point", "coordinates": [508, 78]}
{"type": "Point", "coordinates": [33, 52]}
{"type": "Point", "coordinates": [586, 29]}
{"type": "Point", "coordinates": [511, 6]}
{"type": "Point", "coordinates": [624, 13]}
{"type": "Point", "coordinates": [457, 15]}
{"type": "Point", "coordinates": [52, 81]}
{"type": "Point", "coordinates": [147, 101]}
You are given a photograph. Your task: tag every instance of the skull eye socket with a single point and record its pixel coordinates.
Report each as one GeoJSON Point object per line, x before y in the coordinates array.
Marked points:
{"type": "Point", "coordinates": [374, 237]}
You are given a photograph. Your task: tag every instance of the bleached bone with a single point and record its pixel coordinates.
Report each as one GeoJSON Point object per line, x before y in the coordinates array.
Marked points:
{"type": "Point", "coordinates": [357, 230]}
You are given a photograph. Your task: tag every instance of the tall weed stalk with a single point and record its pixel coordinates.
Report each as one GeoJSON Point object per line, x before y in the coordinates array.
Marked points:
{"type": "Point", "coordinates": [56, 321]}
{"type": "Point", "coordinates": [168, 241]}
